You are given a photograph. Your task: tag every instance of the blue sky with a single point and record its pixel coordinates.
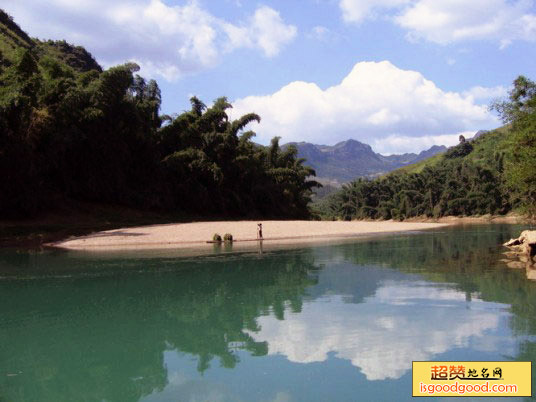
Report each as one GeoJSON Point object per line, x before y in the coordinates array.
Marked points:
{"type": "Point", "coordinates": [401, 75]}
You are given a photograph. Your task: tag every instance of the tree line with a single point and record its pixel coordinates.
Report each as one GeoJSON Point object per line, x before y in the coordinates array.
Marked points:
{"type": "Point", "coordinates": [98, 136]}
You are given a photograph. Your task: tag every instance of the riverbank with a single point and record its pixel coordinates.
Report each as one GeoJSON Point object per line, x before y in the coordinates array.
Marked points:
{"type": "Point", "coordinates": [460, 220]}
{"type": "Point", "coordinates": [76, 219]}
{"type": "Point", "coordinates": [87, 219]}
{"type": "Point", "coordinates": [187, 235]}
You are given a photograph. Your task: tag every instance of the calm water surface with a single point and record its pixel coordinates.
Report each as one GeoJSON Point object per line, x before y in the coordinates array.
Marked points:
{"type": "Point", "coordinates": [323, 323]}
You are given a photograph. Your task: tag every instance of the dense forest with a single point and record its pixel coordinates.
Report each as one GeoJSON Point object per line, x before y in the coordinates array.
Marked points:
{"type": "Point", "coordinates": [492, 174]}
{"type": "Point", "coordinates": [70, 131]}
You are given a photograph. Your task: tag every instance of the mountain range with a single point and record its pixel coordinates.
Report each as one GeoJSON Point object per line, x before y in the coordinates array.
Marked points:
{"type": "Point", "coordinates": [350, 159]}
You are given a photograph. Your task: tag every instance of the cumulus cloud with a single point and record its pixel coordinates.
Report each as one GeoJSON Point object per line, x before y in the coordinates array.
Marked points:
{"type": "Point", "coordinates": [450, 21]}
{"type": "Point", "coordinates": [383, 335]}
{"type": "Point", "coordinates": [375, 103]}
{"type": "Point", "coordinates": [265, 30]}
{"type": "Point", "coordinates": [165, 40]}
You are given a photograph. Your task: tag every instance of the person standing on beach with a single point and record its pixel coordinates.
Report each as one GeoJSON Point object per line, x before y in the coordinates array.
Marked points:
{"type": "Point", "coordinates": [259, 231]}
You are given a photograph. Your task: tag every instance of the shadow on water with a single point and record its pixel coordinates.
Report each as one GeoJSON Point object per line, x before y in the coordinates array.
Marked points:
{"type": "Point", "coordinates": [104, 333]}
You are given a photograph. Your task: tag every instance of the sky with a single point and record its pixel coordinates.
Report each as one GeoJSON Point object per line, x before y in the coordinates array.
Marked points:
{"type": "Point", "coordinates": [400, 75]}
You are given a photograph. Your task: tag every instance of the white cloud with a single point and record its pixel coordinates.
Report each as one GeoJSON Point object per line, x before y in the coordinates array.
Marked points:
{"type": "Point", "coordinates": [375, 103]}
{"type": "Point", "coordinates": [402, 322]}
{"type": "Point", "coordinates": [404, 144]}
{"type": "Point", "coordinates": [265, 30]}
{"type": "Point", "coordinates": [454, 20]}
{"type": "Point", "coordinates": [169, 41]}
{"type": "Point", "coordinates": [448, 21]}
{"type": "Point", "coordinates": [486, 94]}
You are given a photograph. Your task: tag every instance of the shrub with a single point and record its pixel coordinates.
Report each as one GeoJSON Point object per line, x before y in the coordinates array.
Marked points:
{"type": "Point", "coordinates": [459, 151]}
{"type": "Point", "coordinates": [228, 237]}
{"type": "Point", "coordinates": [216, 237]}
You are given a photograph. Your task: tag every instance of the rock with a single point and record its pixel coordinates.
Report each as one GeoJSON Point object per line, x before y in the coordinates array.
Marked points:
{"type": "Point", "coordinates": [511, 254]}
{"type": "Point", "coordinates": [524, 258]}
{"type": "Point", "coordinates": [515, 264]}
{"type": "Point", "coordinates": [529, 251]}
{"type": "Point", "coordinates": [523, 248]}
{"type": "Point", "coordinates": [525, 243]}
{"type": "Point", "coordinates": [531, 274]}
{"type": "Point", "coordinates": [528, 236]}
{"type": "Point", "coordinates": [512, 242]}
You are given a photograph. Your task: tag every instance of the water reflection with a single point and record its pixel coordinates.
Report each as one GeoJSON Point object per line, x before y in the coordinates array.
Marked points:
{"type": "Point", "coordinates": [401, 322]}
{"type": "Point", "coordinates": [322, 323]}
{"type": "Point", "coordinates": [105, 336]}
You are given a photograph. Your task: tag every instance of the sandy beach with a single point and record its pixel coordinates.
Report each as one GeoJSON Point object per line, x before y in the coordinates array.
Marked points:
{"type": "Point", "coordinates": [188, 235]}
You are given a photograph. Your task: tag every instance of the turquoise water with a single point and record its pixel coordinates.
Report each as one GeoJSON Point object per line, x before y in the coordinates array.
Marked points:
{"type": "Point", "coordinates": [337, 322]}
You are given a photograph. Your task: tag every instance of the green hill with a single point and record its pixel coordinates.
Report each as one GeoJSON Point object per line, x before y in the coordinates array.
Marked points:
{"type": "Point", "coordinates": [484, 148]}
{"type": "Point", "coordinates": [71, 133]}
{"type": "Point", "coordinates": [14, 40]}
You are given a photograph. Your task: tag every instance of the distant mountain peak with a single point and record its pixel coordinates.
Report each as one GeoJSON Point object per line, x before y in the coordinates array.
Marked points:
{"type": "Point", "coordinates": [352, 146]}
{"type": "Point", "coordinates": [350, 159]}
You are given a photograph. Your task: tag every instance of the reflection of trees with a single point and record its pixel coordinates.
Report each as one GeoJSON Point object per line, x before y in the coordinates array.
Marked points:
{"type": "Point", "coordinates": [228, 299]}
{"type": "Point", "coordinates": [104, 338]}
{"type": "Point", "coordinates": [467, 257]}
{"type": "Point", "coordinates": [454, 248]}
{"type": "Point", "coordinates": [353, 283]}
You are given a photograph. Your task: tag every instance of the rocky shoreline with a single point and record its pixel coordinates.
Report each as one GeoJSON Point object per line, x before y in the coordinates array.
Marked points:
{"type": "Point", "coordinates": [522, 253]}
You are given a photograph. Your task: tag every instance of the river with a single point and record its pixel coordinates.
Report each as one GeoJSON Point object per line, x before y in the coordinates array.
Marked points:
{"type": "Point", "coordinates": [334, 322]}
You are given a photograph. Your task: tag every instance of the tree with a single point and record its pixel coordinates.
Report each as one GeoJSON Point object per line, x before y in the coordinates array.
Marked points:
{"type": "Point", "coordinates": [520, 111]}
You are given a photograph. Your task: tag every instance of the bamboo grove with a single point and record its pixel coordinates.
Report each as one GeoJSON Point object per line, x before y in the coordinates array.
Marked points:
{"type": "Point", "coordinates": [70, 131]}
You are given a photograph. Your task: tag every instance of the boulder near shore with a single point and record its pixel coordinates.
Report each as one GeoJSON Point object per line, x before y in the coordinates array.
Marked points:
{"type": "Point", "coordinates": [524, 244]}
{"type": "Point", "coordinates": [523, 252]}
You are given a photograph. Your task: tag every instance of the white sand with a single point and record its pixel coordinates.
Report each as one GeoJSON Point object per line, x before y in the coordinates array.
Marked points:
{"type": "Point", "coordinates": [188, 235]}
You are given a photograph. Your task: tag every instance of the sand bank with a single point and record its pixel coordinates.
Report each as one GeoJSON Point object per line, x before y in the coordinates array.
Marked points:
{"type": "Point", "coordinates": [188, 235]}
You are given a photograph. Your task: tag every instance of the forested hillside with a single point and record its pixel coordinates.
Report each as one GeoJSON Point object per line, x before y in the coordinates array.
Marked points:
{"type": "Point", "coordinates": [71, 131]}
{"type": "Point", "coordinates": [494, 174]}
